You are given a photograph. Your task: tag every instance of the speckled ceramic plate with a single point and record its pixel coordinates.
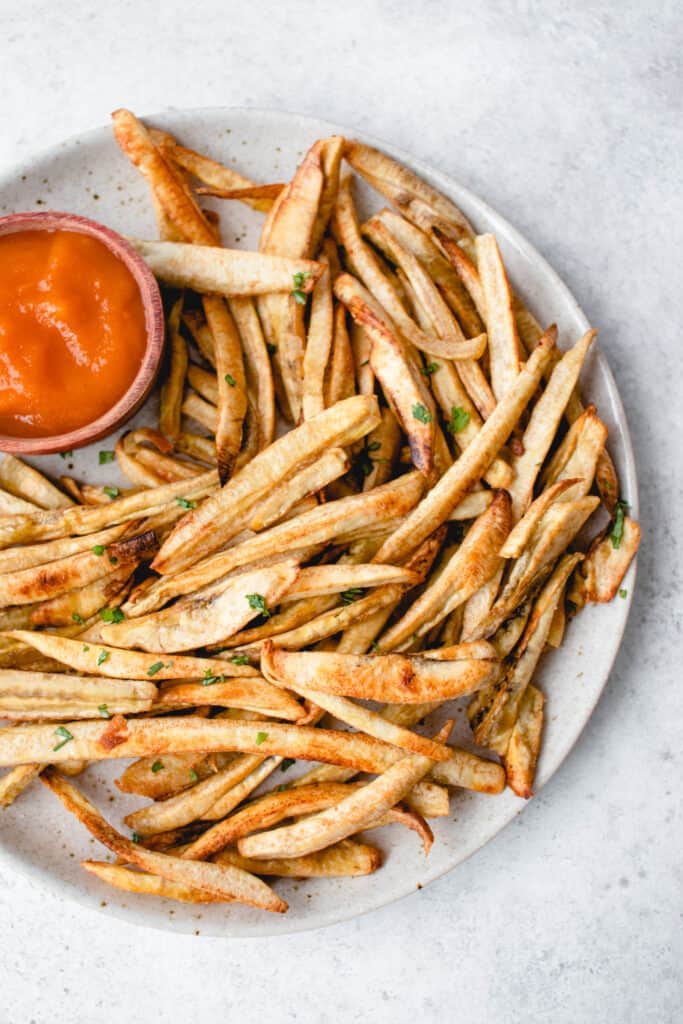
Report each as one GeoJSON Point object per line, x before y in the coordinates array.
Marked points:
{"type": "Point", "coordinates": [88, 175]}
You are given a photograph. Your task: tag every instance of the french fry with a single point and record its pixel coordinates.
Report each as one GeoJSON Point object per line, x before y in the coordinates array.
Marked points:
{"type": "Point", "coordinates": [197, 447]}
{"type": "Point", "coordinates": [142, 737]}
{"type": "Point", "coordinates": [43, 695]}
{"type": "Point", "coordinates": [343, 424]}
{"type": "Point", "coordinates": [390, 365]}
{"type": "Point", "coordinates": [144, 883]}
{"type": "Point", "coordinates": [525, 743]}
{"type": "Point", "coordinates": [172, 388]}
{"type": "Point", "coordinates": [355, 812]}
{"type": "Point", "coordinates": [178, 773]}
{"type": "Point", "coordinates": [25, 482]}
{"type": "Point", "coordinates": [27, 557]}
{"type": "Point", "coordinates": [202, 412]}
{"type": "Point", "coordinates": [221, 881]}
{"type": "Point", "coordinates": [387, 677]}
{"type": "Point", "coordinates": [271, 191]}
{"type": "Point", "coordinates": [405, 189]}
{"type": "Point", "coordinates": [10, 505]}
{"type": "Point", "coordinates": [213, 173]}
{"type": "Point", "coordinates": [42, 582]}
{"type": "Point", "coordinates": [204, 383]}
{"type": "Point", "coordinates": [209, 617]}
{"type": "Point", "coordinates": [257, 365]}
{"type": "Point", "coordinates": [320, 580]}
{"type": "Point", "coordinates": [477, 457]}
{"type": "Point", "coordinates": [601, 574]}
{"type": "Point", "coordinates": [504, 348]}
{"type": "Point", "coordinates": [578, 456]}
{"type": "Point", "coordinates": [341, 860]}
{"type": "Point", "coordinates": [312, 478]}
{"type": "Point", "coordinates": [16, 781]}
{"type": "Point", "coordinates": [232, 386]}
{"type": "Point", "coordinates": [468, 569]}
{"type": "Point", "coordinates": [77, 606]}
{"type": "Point", "coordinates": [543, 423]}
{"type": "Point", "coordinates": [521, 533]}
{"type": "Point", "coordinates": [251, 694]}
{"type": "Point", "coordinates": [340, 380]}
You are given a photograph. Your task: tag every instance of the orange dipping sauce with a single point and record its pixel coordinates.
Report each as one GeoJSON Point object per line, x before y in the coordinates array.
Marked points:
{"type": "Point", "coordinates": [72, 331]}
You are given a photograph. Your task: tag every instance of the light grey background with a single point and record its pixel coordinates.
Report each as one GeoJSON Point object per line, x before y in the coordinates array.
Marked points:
{"type": "Point", "coordinates": [567, 118]}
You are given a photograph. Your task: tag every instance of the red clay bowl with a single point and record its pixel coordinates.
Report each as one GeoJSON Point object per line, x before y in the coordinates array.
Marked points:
{"type": "Point", "coordinates": [138, 391]}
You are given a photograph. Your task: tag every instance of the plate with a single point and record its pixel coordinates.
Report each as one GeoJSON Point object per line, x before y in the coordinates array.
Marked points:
{"type": "Point", "coordinates": [88, 175]}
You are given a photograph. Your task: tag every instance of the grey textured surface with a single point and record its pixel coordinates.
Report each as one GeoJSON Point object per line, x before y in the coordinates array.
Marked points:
{"type": "Point", "coordinates": [567, 118]}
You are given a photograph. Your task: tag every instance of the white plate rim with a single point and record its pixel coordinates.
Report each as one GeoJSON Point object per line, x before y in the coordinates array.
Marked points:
{"type": "Point", "coordinates": [628, 475]}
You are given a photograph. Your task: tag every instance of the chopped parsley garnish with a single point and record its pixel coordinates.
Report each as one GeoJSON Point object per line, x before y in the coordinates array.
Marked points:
{"type": "Point", "coordinates": [157, 766]}
{"type": "Point", "coordinates": [103, 710]}
{"type": "Point", "coordinates": [102, 657]}
{"type": "Point", "coordinates": [136, 837]}
{"type": "Point", "coordinates": [300, 277]}
{"type": "Point", "coordinates": [85, 648]}
{"type": "Point", "coordinates": [111, 615]}
{"type": "Point", "coordinates": [62, 731]}
{"type": "Point", "coordinates": [66, 455]}
{"type": "Point", "coordinates": [193, 775]}
{"type": "Point", "coordinates": [284, 787]}
{"type": "Point", "coordinates": [186, 504]}
{"type": "Point", "coordinates": [210, 680]}
{"type": "Point", "coordinates": [374, 446]}
{"type": "Point", "coordinates": [459, 419]}
{"type": "Point", "coordinates": [99, 550]}
{"type": "Point", "coordinates": [374, 646]}
{"type": "Point", "coordinates": [271, 348]}
{"type": "Point", "coordinates": [106, 456]}
{"type": "Point", "coordinates": [617, 534]}
{"type": "Point", "coordinates": [78, 619]}
{"type": "Point", "coordinates": [261, 737]}
{"type": "Point", "coordinates": [429, 369]}
{"type": "Point", "coordinates": [287, 764]}
{"type": "Point", "coordinates": [240, 659]}
{"type": "Point", "coordinates": [258, 603]}
{"type": "Point", "coordinates": [229, 379]}
{"type": "Point", "coordinates": [623, 593]}
{"type": "Point", "coordinates": [421, 413]}
{"type": "Point", "coordinates": [299, 297]}
{"type": "Point", "coordinates": [156, 667]}
{"type": "Point", "coordinates": [351, 595]}
{"type": "Point", "coordinates": [112, 492]}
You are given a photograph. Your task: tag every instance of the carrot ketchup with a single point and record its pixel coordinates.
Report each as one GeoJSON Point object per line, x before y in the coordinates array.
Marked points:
{"type": "Point", "coordinates": [72, 331]}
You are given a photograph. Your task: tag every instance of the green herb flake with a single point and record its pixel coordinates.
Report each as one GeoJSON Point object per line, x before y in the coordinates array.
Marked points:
{"type": "Point", "coordinates": [111, 615]}
{"type": "Point", "coordinates": [429, 369]}
{"type": "Point", "coordinates": [300, 277]}
{"type": "Point", "coordinates": [102, 657]}
{"type": "Point", "coordinates": [211, 680]}
{"type": "Point", "coordinates": [258, 603]}
{"type": "Point", "coordinates": [62, 731]}
{"type": "Point", "coordinates": [113, 560]}
{"type": "Point", "coordinates": [193, 775]}
{"type": "Point", "coordinates": [186, 504]}
{"type": "Point", "coordinates": [272, 349]}
{"type": "Point", "coordinates": [623, 594]}
{"type": "Point", "coordinates": [112, 492]}
{"type": "Point", "coordinates": [284, 787]}
{"type": "Point", "coordinates": [261, 737]}
{"type": "Point", "coordinates": [157, 766]}
{"type": "Point", "coordinates": [374, 646]}
{"type": "Point", "coordinates": [156, 667]}
{"type": "Point", "coordinates": [66, 455]}
{"type": "Point", "coordinates": [99, 550]}
{"type": "Point", "coordinates": [617, 534]}
{"type": "Point", "coordinates": [85, 648]}
{"type": "Point", "coordinates": [374, 446]}
{"type": "Point", "coordinates": [136, 837]}
{"type": "Point", "coordinates": [299, 297]}
{"type": "Point", "coordinates": [459, 419]}
{"type": "Point", "coordinates": [229, 379]}
{"type": "Point", "coordinates": [421, 413]}
{"type": "Point", "coordinates": [287, 764]}
{"type": "Point", "coordinates": [351, 595]}
{"type": "Point", "coordinates": [103, 710]}
{"type": "Point", "coordinates": [240, 659]}
{"type": "Point", "coordinates": [106, 456]}
{"type": "Point", "coordinates": [78, 619]}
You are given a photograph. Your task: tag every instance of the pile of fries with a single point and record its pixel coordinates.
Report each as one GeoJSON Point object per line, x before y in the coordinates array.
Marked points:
{"type": "Point", "coordinates": [363, 501]}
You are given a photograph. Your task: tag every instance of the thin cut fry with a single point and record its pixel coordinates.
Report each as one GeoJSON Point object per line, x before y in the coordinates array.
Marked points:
{"type": "Point", "coordinates": [172, 389]}
{"type": "Point", "coordinates": [144, 883]}
{"type": "Point", "coordinates": [342, 860]}
{"type": "Point", "coordinates": [23, 481]}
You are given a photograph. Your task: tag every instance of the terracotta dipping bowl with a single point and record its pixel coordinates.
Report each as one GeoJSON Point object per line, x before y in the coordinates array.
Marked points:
{"type": "Point", "coordinates": [143, 382]}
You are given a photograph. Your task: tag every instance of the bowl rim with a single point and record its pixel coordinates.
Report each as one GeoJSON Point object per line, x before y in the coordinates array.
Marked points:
{"type": "Point", "coordinates": [142, 383]}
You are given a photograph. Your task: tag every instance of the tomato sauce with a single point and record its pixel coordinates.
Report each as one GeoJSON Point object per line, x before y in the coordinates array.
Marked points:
{"type": "Point", "coordinates": [72, 331]}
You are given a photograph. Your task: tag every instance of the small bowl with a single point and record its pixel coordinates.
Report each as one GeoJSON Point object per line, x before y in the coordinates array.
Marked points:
{"type": "Point", "coordinates": [138, 391]}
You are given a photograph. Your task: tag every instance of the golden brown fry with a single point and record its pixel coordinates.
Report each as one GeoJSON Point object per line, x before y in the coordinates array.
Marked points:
{"type": "Point", "coordinates": [204, 383]}
{"type": "Point", "coordinates": [221, 881]}
{"type": "Point", "coordinates": [208, 617]}
{"type": "Point", "coordinates": [144, 883]}
{"type": "Point", "coordinates": [355, 812]}
{"type": "Point", "coordinates": [504, 348]}
{"type": "Point", "coordinates": [25, 482]}
{"type": "Point", "coordinates": [525, 743]}
{"type": "Point", "coordinates": [340, 382]}
{"type": "Point", "coordinates": [343, 424]}
{"type": "Point", "coordinates": [397, 678]}
{"type": "Point", "coordinates": [172, 389]}
{"type": "Point", "coordinates": [253, 694]}
{"type": "Point", "coordinates": [271, 191]}
{"type": "Point", "coordinates": [257, 365]}
{"type": "Point", "coordinates": [601, 574]}
{"type": "Point", "coordinates": [77, 606]}
{"type": "Point", "coordinates": [342, 860]}
{"type": "Point", "coordinates": [16, 781]}
{"type": "Point", "coordinates": [312, 478]}
{"type": "Point", "coordinates": [477, 457]}
{"type": "Point", "coordinates": [210, 171]}
{"type": "Point", "coordinates": [232, 385]}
